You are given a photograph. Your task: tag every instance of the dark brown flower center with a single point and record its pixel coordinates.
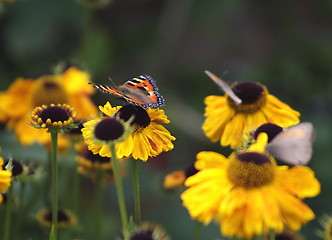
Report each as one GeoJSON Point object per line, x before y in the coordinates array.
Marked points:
{"type": "Point", "coordinates": [109, 129]}
{"type": "Point", "coordinates": [62, 216]}
{"type": "Point", "coordinates": [17, 169]}
{"type": "Point", "coordinates": [248, 92]}
{"type": "Point", "coordinates": [54, 113]}
{"type": "Point", "coordinates": [141, 117]}
{"type": "Point", "coordinates": [270, 129]}
{"type": "Point", "coordinates": [253, 97]}
{"type": "Point", "coordinates": [142, 235]}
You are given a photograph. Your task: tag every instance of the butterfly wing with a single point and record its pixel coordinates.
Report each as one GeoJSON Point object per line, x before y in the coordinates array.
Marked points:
{"type": "Point", "coordinates": [294, 145]}
{"type": "Point", "coordinates": [225, 87]}
{"type": "Point", "coordinates": [107, 89]}
{"type": "Point", "coordinates": [140, 91]}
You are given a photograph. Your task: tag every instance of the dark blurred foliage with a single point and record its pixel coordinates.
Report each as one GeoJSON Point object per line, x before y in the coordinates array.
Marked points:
{"type": "Point", "coordinates": [286, 45]}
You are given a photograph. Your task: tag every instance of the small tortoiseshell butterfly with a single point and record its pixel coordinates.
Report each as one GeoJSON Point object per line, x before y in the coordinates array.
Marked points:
{"type": "Point", "coordinates": [140, 91]}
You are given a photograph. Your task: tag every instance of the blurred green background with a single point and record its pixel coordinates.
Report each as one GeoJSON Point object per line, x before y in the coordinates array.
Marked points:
{"type": "Point", "coordinates": [285, 45]}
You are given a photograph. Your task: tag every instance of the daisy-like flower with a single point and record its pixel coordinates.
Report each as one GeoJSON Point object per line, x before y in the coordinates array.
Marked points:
{"type": "Point", "coordinates": [149, 231]}
{"type": "Point", "coordinates": [227, 121]}
{"type": "Point", "coordinates": [66, 218]}
{"type": "Point", "coordinates": [148, 139]}
{"type": "Point", "coordinates": [90, 164]}
{"type": "Point", "coordinates": [70, 87]}
{"type": "Point", "coordinates": [5, 177]}
{"type": "Point", "coordinates": [248, 194]}
{"type": "Point", "coordinates": [54, 117]}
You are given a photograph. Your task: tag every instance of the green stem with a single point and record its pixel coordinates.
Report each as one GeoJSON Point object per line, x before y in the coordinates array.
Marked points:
{"type": "Point", "coordinates": [134, 164]}
{"type": "Point", "coordinates": [76, 193]}
{"type": "Point", "coordinates": [272, 234]}
{"type": "Point", "coordinates": [8, 214]}
{"type": "Point", "coordinates": [198, 230]}
{"type": "Point", "coordinates": [119, 190]}
{"type": "Point", "coordinates": [259, 237]}
{"type": "Point", "coordinates": [54, 149]}
{"type": "Point", "coordinates": [98, 205]}
{"type": "Point", "coordinates": [21, 208]}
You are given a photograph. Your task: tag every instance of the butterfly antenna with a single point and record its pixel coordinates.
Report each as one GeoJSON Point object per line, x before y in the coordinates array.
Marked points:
{"type": "Point", "coordinates": [224, 86]}
{"type": "Point", "coordinates": [109, 78]}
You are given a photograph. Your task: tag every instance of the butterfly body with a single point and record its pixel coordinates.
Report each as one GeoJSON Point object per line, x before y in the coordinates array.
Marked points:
{"type": "Point", "coordinates": [140, 91]}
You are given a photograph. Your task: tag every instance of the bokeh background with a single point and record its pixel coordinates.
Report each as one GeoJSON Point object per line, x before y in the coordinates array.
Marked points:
{"type": "Point", "coordinates": [285, 45]}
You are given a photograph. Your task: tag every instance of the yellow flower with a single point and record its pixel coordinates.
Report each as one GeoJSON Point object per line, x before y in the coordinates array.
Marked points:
{"type": "Point", "coordinates": [70, 87]}
{"type": "Point", "coordinates": [248, 194]}
{"type": "Point", "coordinates": [148, 139]}
{"type": "Point", "coordinates": [228, 122]}
{"type": "Point", "coordinates": [5, 177]}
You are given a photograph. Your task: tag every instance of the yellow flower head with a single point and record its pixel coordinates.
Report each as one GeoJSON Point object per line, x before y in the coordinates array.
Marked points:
{"type": "Point", "coordinates": [148, 138]}
{"type": "Point", "coordinates": [54, 117]}
{"type": "Point", "coordinates": [228, 122]}
{"type": "Point", "coordinates": [248, 194]}
{"type": "Point", "coordinates": [71, 87]}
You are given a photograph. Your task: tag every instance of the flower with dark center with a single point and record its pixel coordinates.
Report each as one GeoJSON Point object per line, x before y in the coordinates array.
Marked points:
{"type": "Point", "coordinates": [105, 130]}
{"type": "Point", "coordinates": [69, 87]}
{"type": "Point", "coordinates": [229, 122]}
{"type": "Point", "coordinates": [148, 139]}
{"type": "Point", "coordinates": [149, 231]}
{"type": "Point", "coordinates": [248, 194]}
{"type": "Point", "coordinates": [54, 117]}
{"type": "Point", "coordinates": [65, 218]}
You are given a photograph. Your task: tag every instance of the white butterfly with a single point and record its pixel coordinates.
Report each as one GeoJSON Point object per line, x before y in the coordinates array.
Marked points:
{"type": "Point", "coordinates": [293, 145]}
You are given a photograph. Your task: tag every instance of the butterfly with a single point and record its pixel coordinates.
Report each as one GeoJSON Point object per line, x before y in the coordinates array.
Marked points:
{"type": "Point", "coordinates": [140, 91]}
{"type": "Point", "coordinates": [225, 87]}
{"type": "Point", "coordinates": [293, 145]}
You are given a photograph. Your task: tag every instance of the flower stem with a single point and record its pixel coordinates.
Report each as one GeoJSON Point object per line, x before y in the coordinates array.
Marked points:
{"type": "Point", "coordinates": [272, 234]}
{"type": "Point", "coordinates": [8, 214]}
{"type": "Point", "coordinates": [54, 149]}
{"type": "Point", "coordinates": [134, 164]}
{"type": "Point", "coordinates": [119, 191]}
{"type": "Point", "coordinates": [198, 230]}
{"type": "Point", "coordinates": [98, 205]}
